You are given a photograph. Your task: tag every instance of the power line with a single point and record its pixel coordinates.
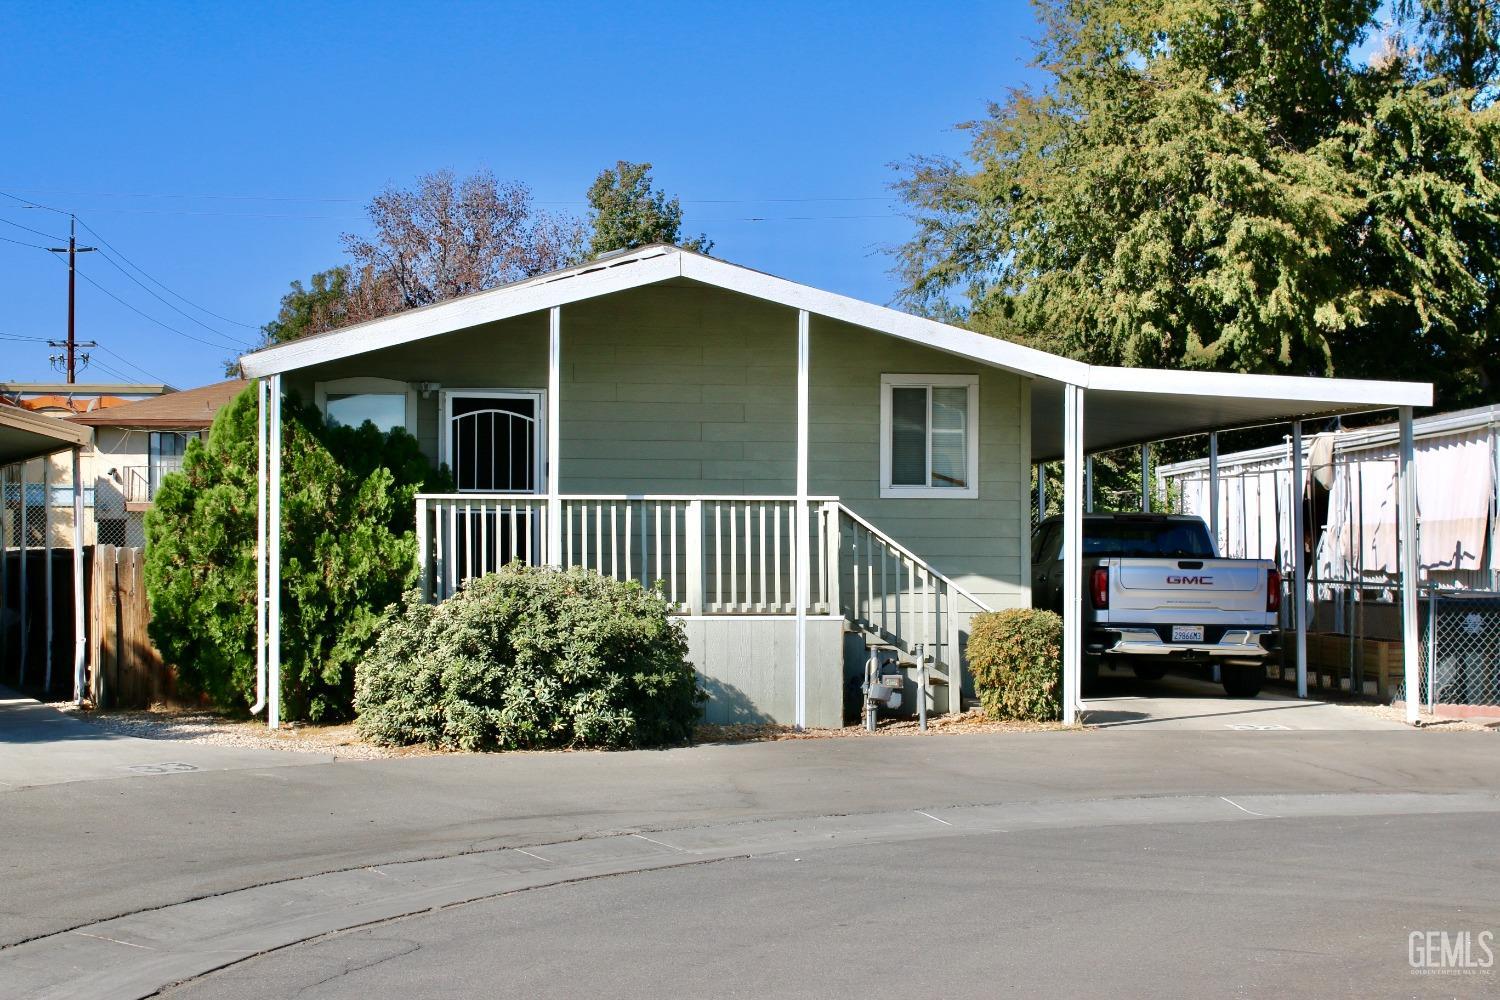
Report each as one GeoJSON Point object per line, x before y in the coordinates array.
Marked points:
{"type": "Point", "coordinates": [165, 326]}
{"type": "Point", "coordinates": [115, 250]}
{"type": "Point", "coordinates": [13, 336]}
{"type": "Point", "coordinates": [23, 243]}
{"type": "Point", "coordinates": [34, 232]}
{"type": "Point", "coordinates": [151, 292]}
{"type": "Point", "coordinates": [132, 364]}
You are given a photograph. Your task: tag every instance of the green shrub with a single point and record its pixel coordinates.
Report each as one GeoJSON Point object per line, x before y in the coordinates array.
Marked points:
{"type": "Point", "coordinates": [1016, 659]}
{"type": "Point", "coordinates": [348, 551]}
{"type": "Point", "coordinates": [530, 658]}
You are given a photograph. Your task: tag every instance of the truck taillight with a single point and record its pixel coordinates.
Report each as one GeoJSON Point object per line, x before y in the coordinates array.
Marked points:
{"type": "Point", "coordinates": [1273, 590]}
{"type": "Point", "coordinates": [1099, 588]}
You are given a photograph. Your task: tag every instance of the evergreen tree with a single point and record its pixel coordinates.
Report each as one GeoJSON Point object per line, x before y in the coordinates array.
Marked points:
{"type": "Point", "coordinates": [348, 551]}
{"type": "Point", "coordinates": [627, 212]}
{"type": "Point", "coordinates": [1223, 184]}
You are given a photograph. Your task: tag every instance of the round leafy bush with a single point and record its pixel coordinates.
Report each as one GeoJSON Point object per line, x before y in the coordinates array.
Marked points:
{"type": "Point", "coordinates": [348, 549]}
{"type": "Point", "coordinates": [1016, 659]}
{"type": "Point", "coordinates": [530, 658]}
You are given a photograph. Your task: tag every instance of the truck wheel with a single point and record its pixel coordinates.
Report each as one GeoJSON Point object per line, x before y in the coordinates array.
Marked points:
{"type": "Point", "coordinates": [1149, 671]}
{"type": "Point", "coordinates": [1242, 681]}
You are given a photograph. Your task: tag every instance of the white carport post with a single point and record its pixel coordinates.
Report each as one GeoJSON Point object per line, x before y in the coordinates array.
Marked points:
{"type": "Point", "coordinates": [1213, 509]}
{"type": "Point", "coordinates": [803, 546]}
{"type": "Point", "coordinates": [47, 566]}
{"type": "Point", "coordinates": [1299, 558]}
{"type": "Point", "coordinates": [1088, 485]}
{"type": "Point", "coordinates": [80, 630]}
{"type": "Point", "coordinates": [1145, 479]}
{"type": "Point", "coordinates": [554, 438]}
{"type": "Point", "coordinates": [273, 568]}
{"type": "Point", "coordinates": [260, 549]}
{"type": "Point", "coordinates": [1406, 470]}
{"type": "Point", "coordinates": [25, 528]}
{"type": "Point", "coordinates": [1073, 475]}
{"type": "Point", "coordinates": [1213, 488]}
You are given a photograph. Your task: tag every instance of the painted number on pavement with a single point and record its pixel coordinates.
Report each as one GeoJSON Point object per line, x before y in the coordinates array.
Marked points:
{"type": "Point", "coordinates": [170, 767]}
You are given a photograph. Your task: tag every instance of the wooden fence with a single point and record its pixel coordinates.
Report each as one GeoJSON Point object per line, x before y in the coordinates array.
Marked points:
{"type": "Point", "coordinates": [127, 671]}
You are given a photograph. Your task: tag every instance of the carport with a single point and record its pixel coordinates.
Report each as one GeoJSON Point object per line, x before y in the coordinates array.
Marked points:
{"type": "Point", "coordinates": [1095, 409]}
{"type": "Point", "coordinates": [26, 437]}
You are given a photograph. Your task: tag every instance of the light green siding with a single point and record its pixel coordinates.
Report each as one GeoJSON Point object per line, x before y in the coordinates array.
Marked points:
{"type": "Point", "coordinates": [680, 388]}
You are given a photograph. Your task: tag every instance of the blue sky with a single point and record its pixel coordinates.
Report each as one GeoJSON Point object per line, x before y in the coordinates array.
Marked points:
{"type": "Point", "coordinates": [223, 148]}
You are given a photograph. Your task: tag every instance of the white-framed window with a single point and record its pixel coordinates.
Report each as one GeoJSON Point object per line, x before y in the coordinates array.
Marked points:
{"type": "Point", "coordinates": [929, 436]}
{"type": "Point", "coordinates": [165, 452]}
{"type": "Point", "coordinates": [386, 403]}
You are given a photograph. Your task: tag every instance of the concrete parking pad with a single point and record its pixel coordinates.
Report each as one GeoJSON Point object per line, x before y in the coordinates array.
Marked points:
{"type": "Point", "coordinates": [1186, 703]}
{"type": "Point", "coordinates": [41, 746]}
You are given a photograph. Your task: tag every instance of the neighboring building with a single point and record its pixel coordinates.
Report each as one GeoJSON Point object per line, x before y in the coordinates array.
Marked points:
{"type": "Point", "coordinates": [805, 475]}
{"type": "Point", "coordinates": [135, 445]}
{"type": "Point", "coordinates": [64, 399]}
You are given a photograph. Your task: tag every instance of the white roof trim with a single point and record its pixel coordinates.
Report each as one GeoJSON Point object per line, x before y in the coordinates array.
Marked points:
{"type": "Point", "coordinates": [653, 264]}
{"type": "Point", "coordinates": [1290, 388]}
{"type": "Point", "coordinates": [532, 295]}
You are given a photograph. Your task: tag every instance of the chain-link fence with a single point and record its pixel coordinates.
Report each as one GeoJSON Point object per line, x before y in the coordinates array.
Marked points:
{"type": "Point", "coordinates": [1460, 651]}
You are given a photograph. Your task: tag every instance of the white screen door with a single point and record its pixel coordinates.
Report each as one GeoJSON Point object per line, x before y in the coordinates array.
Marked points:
{"type": "Point", "coordinates": [493, 441]}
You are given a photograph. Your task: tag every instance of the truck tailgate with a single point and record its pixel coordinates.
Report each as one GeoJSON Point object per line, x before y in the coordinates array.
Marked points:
{"type": "Point", "coordinates": [1224, 585]}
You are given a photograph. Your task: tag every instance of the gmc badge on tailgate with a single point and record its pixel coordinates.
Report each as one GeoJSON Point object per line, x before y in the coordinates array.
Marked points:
{"type": "Point", "coordinates": [1191, 581]}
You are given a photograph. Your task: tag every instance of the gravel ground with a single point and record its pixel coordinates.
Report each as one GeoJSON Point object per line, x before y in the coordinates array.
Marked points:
{"type": "Point", "coordinates": [205, 727]}
{"type": "Point", "coordinates": [197, 726]}
{"type": "Point", "coordinates": [1428, 723]}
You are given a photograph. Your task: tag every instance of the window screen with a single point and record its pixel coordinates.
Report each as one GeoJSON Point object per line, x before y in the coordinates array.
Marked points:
{"type": "Point", "coordinates": [929, 437]}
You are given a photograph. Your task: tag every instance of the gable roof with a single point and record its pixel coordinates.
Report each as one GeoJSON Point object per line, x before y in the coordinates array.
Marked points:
{"type": "Point", "coordinates": [647, 266]}
{"type": "Point", "coordinates": [190, 409]}
{"type": "Point", "coordinates": [1126, 405]}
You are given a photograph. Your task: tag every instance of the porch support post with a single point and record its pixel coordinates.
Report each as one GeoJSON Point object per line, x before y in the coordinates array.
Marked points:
{"type": "Point", "coordinates": [1213, 488]}
{"type": "Point", "coordinates": [80, 630]}
{"type": "Point", "coordinates": [260, 548]}
{"type": "Point", "coordinates": [1299, 558]}
{"type": "Point", "coordinates": [1408, 541]}
{"type": "Point", "coordinates": [1088, 485]}
{"type": "Point", "coordinates": [803, 545]}
{"type": "Point", "coordinates": [273, 568]}
{"type": "Point", "coordinates": [1073, 477]}
{"type": "Point", "coordinates": [1041, 492]}
{"type": "Point", "coordinates": [554, 437]}
{"type": "Point", "coordinates": [1145, 479]}
{"type": "Point", "coordinates": [47, 567]}
{"type": "Point", "coordinates": [25, 527]}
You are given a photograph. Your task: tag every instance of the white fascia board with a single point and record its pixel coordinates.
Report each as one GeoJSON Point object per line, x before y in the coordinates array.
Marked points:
{"type": "Point", "coordinates": [929, 333]}
{"type": "Point", "coordinates": [536, 295]}
{"type": "Point", "coordinates": [1317, 392]}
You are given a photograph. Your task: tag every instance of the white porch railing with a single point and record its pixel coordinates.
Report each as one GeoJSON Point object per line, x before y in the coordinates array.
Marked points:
{"type": "Point", "coordinates": [713, 555]}
{"type": "Point", "coordinates": [898, 598]}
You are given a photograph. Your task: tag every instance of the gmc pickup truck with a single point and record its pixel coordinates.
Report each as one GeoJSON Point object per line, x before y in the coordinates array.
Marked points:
{"type": "Point", "coordinates": [1155, 593]}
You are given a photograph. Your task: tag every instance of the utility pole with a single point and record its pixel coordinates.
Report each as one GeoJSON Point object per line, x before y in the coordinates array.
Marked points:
{"type": "Point", "coordinates": [71, 344]}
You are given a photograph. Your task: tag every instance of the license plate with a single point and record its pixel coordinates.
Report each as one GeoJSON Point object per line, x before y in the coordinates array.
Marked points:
{"type": "Point", "coordinates": [1187, 633]}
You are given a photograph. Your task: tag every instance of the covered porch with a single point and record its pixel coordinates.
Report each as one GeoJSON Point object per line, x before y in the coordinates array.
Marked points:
{"type": "Point", "coordinates": [736, 439]}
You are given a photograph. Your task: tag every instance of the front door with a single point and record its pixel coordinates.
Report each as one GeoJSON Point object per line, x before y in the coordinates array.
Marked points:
{"type": "Point", "coordinates": [493, 441]}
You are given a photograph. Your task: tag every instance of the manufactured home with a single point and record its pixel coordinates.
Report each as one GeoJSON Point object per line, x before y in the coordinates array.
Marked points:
{"type": "Point", "coordinates": [804, 474]}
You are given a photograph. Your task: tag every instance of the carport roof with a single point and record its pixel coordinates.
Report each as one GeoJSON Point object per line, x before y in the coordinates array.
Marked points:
{"type": "Point", "coordinates": [25, 435]}
{"type": "Point", "coordinates": [1123, 406]}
